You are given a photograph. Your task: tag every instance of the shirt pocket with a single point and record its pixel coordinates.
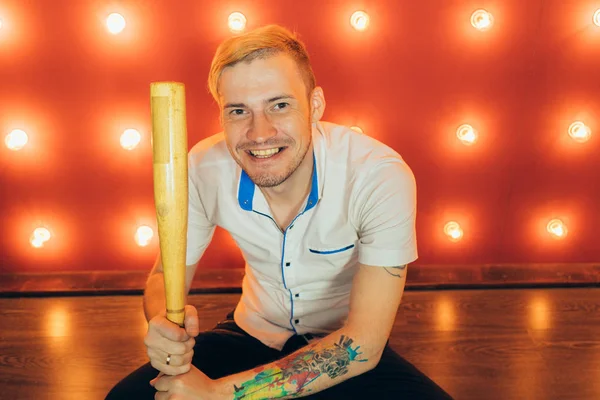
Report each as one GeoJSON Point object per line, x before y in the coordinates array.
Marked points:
{"type": "Point", "coordinates": [330, 250]}
{"type": "Point", "coordinates": [338, 255]}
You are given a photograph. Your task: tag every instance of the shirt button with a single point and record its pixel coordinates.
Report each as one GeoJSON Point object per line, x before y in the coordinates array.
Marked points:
{"type": "Point", "coordinates": [296, 321]}
{"type": "Point", "coordinates": [287, 264]}
{"type": "Point", "coordinates": [297, 294]}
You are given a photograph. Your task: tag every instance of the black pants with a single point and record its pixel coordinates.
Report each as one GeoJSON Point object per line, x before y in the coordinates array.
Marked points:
{"type": "Point", "coordinates": [227, 349]}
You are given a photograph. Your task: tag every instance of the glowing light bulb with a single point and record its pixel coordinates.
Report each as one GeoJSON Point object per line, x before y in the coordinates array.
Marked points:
{"type": "Point", "coordinates": [115, 23]}
{"type": "Point", "coordinates": [143, 235]}
{"type": "Point", "coordinates": [579, 132]}
{"type": "Point", "coordinates": [39, 237]}
{"type": "Point", "coordinates": [130, 139]}
{"type": "Point", "coordinates": [236, 22]}
{"type": "Point", "coordinates": [16, 139]}
{"type": "Point", "coordinates": [466, 134]}
{"type": "Point", "coordinates": [482, 20]}
{"type": "Point", "coordinates": [597, 17]}
{"type": "Point", "coordinates": [557, 229]}
{"type": "Point", "coordinates": [453, 230]}
{"type": "Point", "coordinates": [0, 24]}
{"type": "Point", "coordinates": [357, 129]}
{"type": "Point", "coordinates": [359, 20]}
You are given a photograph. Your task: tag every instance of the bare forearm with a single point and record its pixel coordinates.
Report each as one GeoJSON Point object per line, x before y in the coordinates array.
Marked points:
{"type": "Point", "coordinates": [154, 295]}
{"type": "Point", "coordinates": [316, 367]}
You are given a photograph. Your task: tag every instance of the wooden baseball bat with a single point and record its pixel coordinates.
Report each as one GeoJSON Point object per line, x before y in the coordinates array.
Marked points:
{"type": "Point", "coordinates": [170, 166]}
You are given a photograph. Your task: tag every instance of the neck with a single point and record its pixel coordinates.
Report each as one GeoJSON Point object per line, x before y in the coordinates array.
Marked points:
{"type": "Point", "coordinates": [293, 191]}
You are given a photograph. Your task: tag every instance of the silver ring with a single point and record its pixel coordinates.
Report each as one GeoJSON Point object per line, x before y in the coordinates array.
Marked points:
{"type": "Point", "coordinates": [168, 359]}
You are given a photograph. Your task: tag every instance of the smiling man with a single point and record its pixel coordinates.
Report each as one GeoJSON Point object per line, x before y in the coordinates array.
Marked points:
{"type": "Point", "coordinates": [325, 219]}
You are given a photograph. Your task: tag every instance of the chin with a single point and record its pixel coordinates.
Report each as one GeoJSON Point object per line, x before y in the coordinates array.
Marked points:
{"type": "Point", "coordinates": [268, 180]}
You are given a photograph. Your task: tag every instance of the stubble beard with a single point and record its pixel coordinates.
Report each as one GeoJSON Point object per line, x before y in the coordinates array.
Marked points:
{"type": "Point", "coordinates": [269, 180]}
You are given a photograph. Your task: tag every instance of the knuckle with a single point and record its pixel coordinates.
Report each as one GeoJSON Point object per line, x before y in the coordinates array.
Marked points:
{"type": "Point", "coordinates": [178, 384]}
{"type": "Point", "coordinates": [181, 349]}
{"type": "Point", "coordinates": [182, 370]}
{"type": "Point", "coordinates": [189, 345]}
{"type": "Point", "coordinates": [182, 335]}
{"type": "Point", "coordinates": [178, 335]}
{"type": "Point", "coordinates": [154, 364]}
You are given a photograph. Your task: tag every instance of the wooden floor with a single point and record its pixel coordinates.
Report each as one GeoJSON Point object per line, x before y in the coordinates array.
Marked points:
{"type": "Point", "coordinates": [477, 344]}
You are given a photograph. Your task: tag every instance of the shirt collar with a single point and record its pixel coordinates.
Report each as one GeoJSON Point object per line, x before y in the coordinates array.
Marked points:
{"type": "Point", "coordinates": [247, 188]}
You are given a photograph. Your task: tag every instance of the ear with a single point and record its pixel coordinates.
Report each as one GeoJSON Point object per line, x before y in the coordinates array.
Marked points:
{"type": "Point", "coordinates": [317, 104]}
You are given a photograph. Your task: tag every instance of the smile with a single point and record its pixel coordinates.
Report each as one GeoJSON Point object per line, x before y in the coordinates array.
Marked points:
{"type": "Point", "coordinates": [267, 153]}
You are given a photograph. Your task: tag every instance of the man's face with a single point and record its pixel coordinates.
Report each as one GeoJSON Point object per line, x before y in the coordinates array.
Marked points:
{"type": "Point", "coordinates": [266, 117]}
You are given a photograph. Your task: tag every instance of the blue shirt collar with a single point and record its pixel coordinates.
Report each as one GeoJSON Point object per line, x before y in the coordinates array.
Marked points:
{"type": "Point", "coordinates": [247, 188]}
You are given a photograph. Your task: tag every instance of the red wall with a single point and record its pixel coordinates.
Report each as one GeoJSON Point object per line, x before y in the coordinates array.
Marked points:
{"type": "Point", "coordinates": [417, 73]}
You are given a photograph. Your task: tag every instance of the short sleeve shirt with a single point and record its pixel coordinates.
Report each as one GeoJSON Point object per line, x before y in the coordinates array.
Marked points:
{"type": "Point", "coordinates": [361, 209]}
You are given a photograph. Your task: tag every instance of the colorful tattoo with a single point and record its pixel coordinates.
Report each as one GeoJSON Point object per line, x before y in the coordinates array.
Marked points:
{"type": "Point", "coordinates": [291, 375]}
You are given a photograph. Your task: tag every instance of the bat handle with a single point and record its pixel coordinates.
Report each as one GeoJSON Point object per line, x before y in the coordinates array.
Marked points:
{"type": "Point", "coordinates": [176, 316]}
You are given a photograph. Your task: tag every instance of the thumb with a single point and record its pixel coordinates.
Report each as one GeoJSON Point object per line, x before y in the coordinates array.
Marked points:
{"type": "Point", "coordinates": [153, 381]}
{"type": "Point", "coordinates": [192, 326]}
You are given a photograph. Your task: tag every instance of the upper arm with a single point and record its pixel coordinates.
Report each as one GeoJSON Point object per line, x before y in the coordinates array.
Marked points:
{"type": "Point", "coordinates": [200, 228]}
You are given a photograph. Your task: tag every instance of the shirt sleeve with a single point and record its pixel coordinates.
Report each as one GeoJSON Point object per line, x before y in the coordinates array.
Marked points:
{"type": "Point", "coordinates": [387, 209]}
{"type": "Point", "coordinates": [200, 229]}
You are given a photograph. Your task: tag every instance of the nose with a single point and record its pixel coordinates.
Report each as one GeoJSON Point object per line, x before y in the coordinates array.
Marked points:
{"type": "Point", "coordinates": [262, 129]}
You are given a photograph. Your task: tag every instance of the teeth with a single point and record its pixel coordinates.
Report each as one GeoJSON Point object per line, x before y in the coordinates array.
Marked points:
{"type": "Point", "coordinates": [264, 153]}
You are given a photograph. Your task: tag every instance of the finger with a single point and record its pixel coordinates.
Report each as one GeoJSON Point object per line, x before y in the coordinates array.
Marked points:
{"type": "Point", "coordinates": [175, 360]}
{"type": "Point", "coordinates": [161, 347]}
{"type": "Point", "coordinates": [161, 396]}
{"type": "Point", "coordinates": [178, 348]}
{"type": "Point", "coordinates": [168, 329]}
{"type": "Point", "coordinates": [158, 358]}
{"type": "Point", "coordinates": [162, 383]}
{"type": "Point", "coordinates": [153, 381]}
{"type": "Point", "coordinates": [189, 345]}
{"type": "Point", "coordinates": [170, 370]}
{"type": "Point", "coordinates": [192, 326]}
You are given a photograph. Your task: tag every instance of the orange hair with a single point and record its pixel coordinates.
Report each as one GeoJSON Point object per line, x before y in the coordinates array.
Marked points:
{"type": "Point", "coordinates": [260, 43]}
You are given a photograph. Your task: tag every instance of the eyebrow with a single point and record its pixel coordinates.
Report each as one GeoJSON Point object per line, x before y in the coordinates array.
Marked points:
{"type": "Point", "coordinates": [272, 99]}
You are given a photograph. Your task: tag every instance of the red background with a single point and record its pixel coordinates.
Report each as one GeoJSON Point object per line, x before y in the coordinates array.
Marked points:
{"type": "Point", "coordinates": [410, 80]}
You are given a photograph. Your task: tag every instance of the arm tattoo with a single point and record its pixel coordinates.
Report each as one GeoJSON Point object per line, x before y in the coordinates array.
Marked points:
{"type": "Point", "coordinates": [398, 272]}
{"type": "Point", "coordinates": [291, 375]}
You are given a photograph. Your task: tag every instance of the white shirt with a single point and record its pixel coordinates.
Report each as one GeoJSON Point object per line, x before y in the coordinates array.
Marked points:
{"type": "Point", "coordinates": [361, 209]}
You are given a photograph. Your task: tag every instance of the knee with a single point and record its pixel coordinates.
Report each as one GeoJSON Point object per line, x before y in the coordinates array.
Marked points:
{"type": "Point", "coordinates": [135, 385]}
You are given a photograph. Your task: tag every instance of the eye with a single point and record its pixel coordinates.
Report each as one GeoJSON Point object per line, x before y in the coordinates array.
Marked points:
{"type": "Point", "coordinates": [237, 111]}
{"type": "Point", "coordinates": [280, 106]}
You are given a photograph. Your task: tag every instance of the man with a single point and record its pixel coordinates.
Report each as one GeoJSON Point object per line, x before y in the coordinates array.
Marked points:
{"type": "Point", "coordinates": [325, 219]}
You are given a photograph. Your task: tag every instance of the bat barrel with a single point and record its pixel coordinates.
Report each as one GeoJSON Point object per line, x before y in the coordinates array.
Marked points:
{"type": "Point", "coordinates": [170, 167]}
